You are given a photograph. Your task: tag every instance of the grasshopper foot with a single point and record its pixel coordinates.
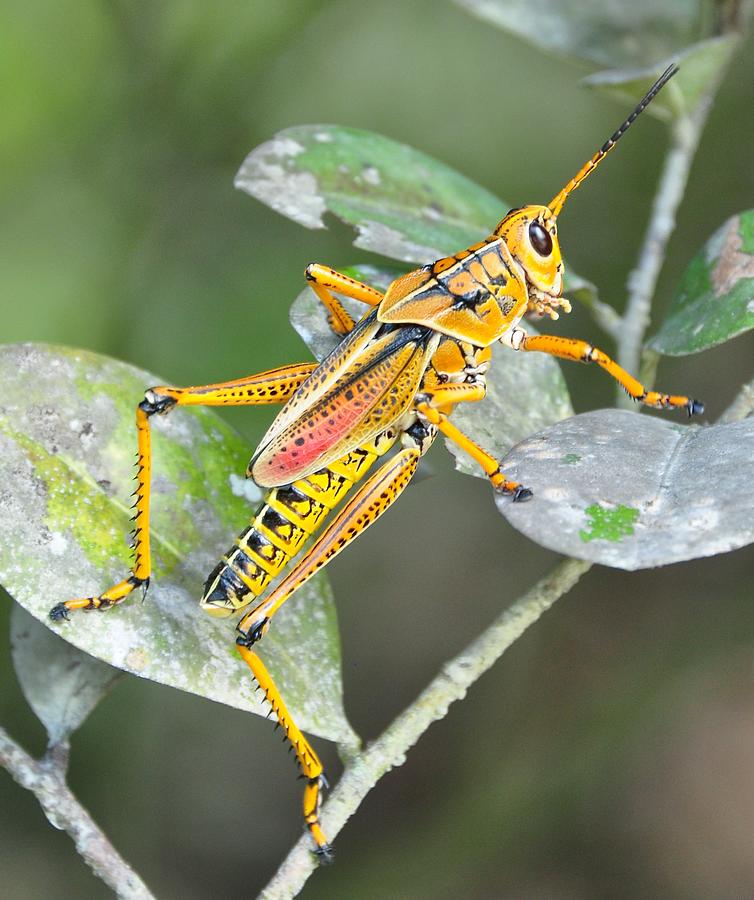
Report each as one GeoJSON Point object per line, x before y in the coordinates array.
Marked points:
{"type": "Point", "coordinates": [254, 633]}
{"type": "Point", "coordinates": [110, 598]}
{"type": "Point", "coordinates": [517, 492]}
{"type": "Point", "coordinates": [60, 613]}
{"type": "Point", "coordinates": [325, 855]}
{"type": "Point", "coordinates": [695, 408]}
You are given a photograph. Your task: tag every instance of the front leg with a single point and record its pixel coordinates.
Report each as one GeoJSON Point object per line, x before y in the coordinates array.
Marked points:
{"type": "Point", "coordinates": [581, 351]}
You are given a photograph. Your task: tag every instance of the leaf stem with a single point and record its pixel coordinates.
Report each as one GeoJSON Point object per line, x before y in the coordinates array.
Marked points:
{"type": "Point", "coordinates": [607, 318]}
{"type": "Point", "coordinates": [451, 684]}
{"type": "Point", "coordinates": [650, 360]}
{"type": "Point", "coordinates": [685, 135]}
{"type": "Point", "coordinates": [45, 778]}
{"type": "Point", "coordinates": [741, 407]}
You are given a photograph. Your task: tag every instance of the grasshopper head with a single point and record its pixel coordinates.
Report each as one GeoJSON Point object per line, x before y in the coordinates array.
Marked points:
{"type": "Point", "coordinates": [531, 235]}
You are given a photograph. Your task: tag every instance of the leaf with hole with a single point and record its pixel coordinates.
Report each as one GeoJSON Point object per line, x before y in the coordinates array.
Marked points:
{"type": "Point", "coordinates": [403, 203]}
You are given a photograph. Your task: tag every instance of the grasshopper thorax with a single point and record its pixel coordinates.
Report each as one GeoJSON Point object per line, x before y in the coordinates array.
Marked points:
{"type": "Point", "coordinates": [531, 236]}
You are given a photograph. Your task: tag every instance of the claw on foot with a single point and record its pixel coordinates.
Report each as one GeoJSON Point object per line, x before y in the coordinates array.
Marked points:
{"type": "Point", "coordinates": [325, 855]}
{"type": "Point", "coordinates": [60, 613]}
{"type": "Point", "coordinates": [255, 632]}
{"type": "Point", "coordinates": [518, 492]}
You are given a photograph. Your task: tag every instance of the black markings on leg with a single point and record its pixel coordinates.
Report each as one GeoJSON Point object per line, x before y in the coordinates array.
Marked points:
{"type": "Point", "coordinates": [154, 403]}
{"type": "Point", "coordinates": [325, 855]}
{"type": "Point", "coordinates": [249, 638]}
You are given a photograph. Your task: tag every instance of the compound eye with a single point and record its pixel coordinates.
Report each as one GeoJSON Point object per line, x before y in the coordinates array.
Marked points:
{"type": "Point", "coordinates": [540, 239]}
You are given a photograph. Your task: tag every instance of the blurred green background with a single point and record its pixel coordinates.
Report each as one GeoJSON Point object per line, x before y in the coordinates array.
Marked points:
{"type": "Point", "coordinates": [609, 754]}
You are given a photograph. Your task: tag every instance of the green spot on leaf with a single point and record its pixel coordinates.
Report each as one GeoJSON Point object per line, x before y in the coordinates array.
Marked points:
{"type": "Point", "coordinates": [76, 505]}
{"type": "Point", "coordinates": [571, 458]}
{"type": "Point", "coordinates": [609, 524]}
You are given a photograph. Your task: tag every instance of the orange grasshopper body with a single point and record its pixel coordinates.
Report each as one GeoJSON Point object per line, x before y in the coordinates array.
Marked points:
{"type": "Point", "coordinates": [391, 384]}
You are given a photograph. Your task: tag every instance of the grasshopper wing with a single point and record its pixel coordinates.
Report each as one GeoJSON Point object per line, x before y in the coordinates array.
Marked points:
{"type": "Point", "coordinates": [367, 383]}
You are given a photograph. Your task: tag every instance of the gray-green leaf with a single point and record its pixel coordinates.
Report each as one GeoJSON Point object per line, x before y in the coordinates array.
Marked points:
{"type": "Point", "coordinates": [525, 393]}
{"type": "Point", "coordinates": [612, 34]}
{"type": "Point", "coordinates": [715, 299]}
{"type": "Point", "coordinates": [634, 491]}
{"type": "Point", "coordinates": [67, 447]}
{"type": "Point", "coordinates": [699, 66]}
{"type": "Point", "coordinates": [403, 203]}
{"type": "Point", "coordinates": [61, 683]}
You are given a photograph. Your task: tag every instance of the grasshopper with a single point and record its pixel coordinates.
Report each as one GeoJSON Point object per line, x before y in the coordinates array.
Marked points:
{"type": "Point", "coordinates": [390, 384]}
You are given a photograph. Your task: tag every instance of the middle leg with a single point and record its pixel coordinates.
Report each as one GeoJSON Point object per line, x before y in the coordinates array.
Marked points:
{"type": "Point", "coordinates": [324, 281]}
{"type": "Point", "coordinates": [433, 404]}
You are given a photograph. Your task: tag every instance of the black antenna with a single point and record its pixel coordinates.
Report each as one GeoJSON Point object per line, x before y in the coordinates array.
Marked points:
{"type": "Point", "coordinates": [556, 204]}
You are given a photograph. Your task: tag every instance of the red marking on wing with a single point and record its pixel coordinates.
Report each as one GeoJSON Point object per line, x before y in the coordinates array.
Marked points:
{"type": "Point", "coordinates": [373, 394]}
{"type": "Point", "coordinates": [301, 452]}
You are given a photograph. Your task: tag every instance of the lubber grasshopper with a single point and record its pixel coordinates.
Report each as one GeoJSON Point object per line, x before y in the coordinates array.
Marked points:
{"type": "Point", "coordinates": [391, 384]}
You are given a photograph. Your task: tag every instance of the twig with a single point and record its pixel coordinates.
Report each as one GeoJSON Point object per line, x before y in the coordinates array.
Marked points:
{"type": "Point", "coordinates": [684, 140]}
{"type": "Point", "coordinates": [46, 779]}
{"type": "Point", "coordinates": [650, 361]}
{"type": "Point", "coordinates": [605, 316]}
{"type": "Point", "coordinates": [741, 407]}
{"type": "Point", "coordinates": [389, 750]}
{"type": "Point", "coordinates": [685, 136]}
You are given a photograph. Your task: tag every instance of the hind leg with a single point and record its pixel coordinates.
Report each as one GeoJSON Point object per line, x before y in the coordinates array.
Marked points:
{"type": "Point", "coordinates": [274, 386]}
{"type": "Point", "coordinates": [375, 496]}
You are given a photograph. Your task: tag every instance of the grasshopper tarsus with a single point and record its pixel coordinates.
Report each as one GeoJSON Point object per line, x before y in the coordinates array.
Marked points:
{"type": "Point", "coordinates": [60, 613]}
{"type": "Point", "coordinates": [325, 855]}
